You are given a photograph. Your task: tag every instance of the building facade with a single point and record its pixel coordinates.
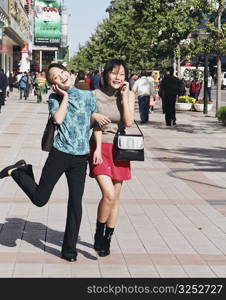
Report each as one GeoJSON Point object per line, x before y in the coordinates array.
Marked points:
{"type": "Point", "coordinates": [33, 33]}
{"type": "Point", "coordinates": [15, 36]}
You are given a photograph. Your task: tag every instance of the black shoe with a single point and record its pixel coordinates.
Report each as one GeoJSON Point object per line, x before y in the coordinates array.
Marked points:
{"type": "Point", "coordinates": [105, 251]}
{"type": "Point", "coordinates": [99, 236]}
{"type": "Point", "coordinates": [174, 123]}
{"type": "Point", "coordinates": [70, 259]}
{"type": "Point", "coordinates": [18, 164]}
{"type": "Point", "coordinates": [98, 242]}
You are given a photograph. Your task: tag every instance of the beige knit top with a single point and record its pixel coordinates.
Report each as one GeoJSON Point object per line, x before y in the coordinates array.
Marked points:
{"type": "Point", "coordinates": [111, 107]}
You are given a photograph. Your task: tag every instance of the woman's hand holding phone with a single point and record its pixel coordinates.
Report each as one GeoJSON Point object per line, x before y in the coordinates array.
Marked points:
{"type": "Point", "coordinates": [58, 90]}
{"type": "Point", "coordinates": [124, 89]}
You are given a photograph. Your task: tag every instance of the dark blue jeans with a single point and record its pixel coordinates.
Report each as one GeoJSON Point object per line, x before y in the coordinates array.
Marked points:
{"type": "Point", "coordinates": [209, 92]}
{"type": "Point", "coordinates": [57, 163]}
{"type": "Point", "coordinates": [143, 102]}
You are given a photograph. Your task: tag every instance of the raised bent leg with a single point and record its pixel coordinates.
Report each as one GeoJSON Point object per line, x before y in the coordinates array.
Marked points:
{"type": "Point", "coordinates": [40, 193]}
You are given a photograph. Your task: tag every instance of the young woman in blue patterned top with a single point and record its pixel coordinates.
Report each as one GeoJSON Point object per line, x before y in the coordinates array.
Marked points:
{"type": "Point", "coordinates": [69, 154]}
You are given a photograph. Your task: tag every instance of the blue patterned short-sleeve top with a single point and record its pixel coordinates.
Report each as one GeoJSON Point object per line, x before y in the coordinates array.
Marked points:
{"type": "Point", "coordinates": [73, 134]}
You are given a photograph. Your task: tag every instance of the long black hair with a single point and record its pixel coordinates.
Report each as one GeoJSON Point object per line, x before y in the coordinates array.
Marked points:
{"type": "Point", "coordinates": [109, 66]}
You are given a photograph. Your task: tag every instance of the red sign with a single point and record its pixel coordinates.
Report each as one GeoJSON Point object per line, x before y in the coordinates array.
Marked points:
{"type": "Point", "coordinates": [4, 49]}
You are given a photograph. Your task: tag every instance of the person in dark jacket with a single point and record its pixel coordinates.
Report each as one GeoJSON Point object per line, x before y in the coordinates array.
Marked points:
{"type": "Point", "coordinates": [12, 81]}
{"type": "Point", "coordinates": [170, 89]}
{"type": "Point", "coordinates": [95, 80]}
{"type": "Point", "coordinates": [24, 85]}
{"type": "Point", "coordinates": [3, 86]}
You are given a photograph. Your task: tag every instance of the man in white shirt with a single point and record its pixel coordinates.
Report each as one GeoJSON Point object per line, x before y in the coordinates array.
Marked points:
{"type": "Point", "coordinates": [210, 84]}
{"type": "Point", "coordinates": [144, 88]}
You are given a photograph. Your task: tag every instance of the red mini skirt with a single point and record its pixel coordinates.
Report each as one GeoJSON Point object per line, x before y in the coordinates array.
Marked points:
{"type": "Point", "coordinates": [117, 170]}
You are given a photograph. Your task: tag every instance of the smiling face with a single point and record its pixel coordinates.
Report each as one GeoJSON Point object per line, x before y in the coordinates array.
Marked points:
{"type": "Point", "coordinates": [60, 77]}
{"type": "Point", "coordinates": [116, 77]}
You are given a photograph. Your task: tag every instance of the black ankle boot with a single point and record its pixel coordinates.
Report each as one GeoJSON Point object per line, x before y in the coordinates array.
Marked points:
{"type": "Point", "coordinates": [99, 236]}
{"type": "Point", "coordinates": [107, 242]}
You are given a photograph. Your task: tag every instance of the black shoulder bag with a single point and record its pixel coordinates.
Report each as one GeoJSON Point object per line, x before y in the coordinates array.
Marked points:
{"type": "Point", "coordinates": [129, 146]}
{"type": "Point", "coordinates": [48, 135]}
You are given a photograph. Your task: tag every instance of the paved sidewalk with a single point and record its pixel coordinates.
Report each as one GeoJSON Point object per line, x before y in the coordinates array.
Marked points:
{"type": "Point", "coordinates": [172, 220]}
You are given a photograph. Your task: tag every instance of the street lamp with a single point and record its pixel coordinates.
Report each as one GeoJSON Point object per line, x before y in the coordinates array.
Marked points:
{"type": "Point", "coordinates": [203, 36]}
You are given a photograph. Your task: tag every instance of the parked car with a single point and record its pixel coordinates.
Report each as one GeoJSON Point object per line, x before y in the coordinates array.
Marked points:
{"type": "Point", "coordinates": [223, 82]}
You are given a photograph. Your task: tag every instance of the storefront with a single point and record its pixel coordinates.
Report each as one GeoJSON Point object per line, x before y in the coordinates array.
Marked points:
{"type": "Point", "coordinates": [16, 37]}
{"type": "Point", "coordinates": [42, 57]}
{"type": "Point", "coordinates": [3, 23]}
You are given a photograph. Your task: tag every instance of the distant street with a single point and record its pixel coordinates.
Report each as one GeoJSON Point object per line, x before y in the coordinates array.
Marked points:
{"type": "Point", "coordinates": [223, 95]}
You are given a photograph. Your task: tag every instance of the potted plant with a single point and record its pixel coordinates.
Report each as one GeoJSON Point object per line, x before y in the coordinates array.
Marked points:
{"type": "Point", "coordinates": [199, 105]}
{"type": "Point", "coordinates": [221, 115]}
{"type": "Point", "coordinates": [184, 103]}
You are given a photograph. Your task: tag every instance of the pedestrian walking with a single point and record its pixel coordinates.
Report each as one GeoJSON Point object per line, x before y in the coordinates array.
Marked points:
{"type": "Point", "coordinates": [144, 88]}
{"type": "Point", "coordinates": [116, 101]}
{"type": "Point", "coordinates": [210, 83]}
{"type": "Point", "coordinates": [41, 87]}
{"type": "Point", "coordinates": [12, 81]}
{"type": "Point", "coordinates": [169, 90]}
{"type": "Point", "coordinates": [132, 80]}
{"type": "Point", "coordinates": [72, 110]}
{"type": "Point", "coordinates": [23, 86]}
{"type": "Point", "coordinates": [3, 86]}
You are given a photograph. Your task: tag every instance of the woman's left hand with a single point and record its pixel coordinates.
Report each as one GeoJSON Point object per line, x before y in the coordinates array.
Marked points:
{"type": "Point", "coordinates": [97, 157]}
{"type": "Point", "coordinates": [124, 90]}
{"type": "Point", "coordinates": [101, 119]}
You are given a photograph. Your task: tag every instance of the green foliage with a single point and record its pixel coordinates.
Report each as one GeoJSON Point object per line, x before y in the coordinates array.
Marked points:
{"type": "Point", "coordinates": [221, 114]}
{"type": "Point", "coordinates": [146, 33]}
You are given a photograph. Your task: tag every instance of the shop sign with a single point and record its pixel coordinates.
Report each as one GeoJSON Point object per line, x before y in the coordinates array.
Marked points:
{"type": "Point", "coordinates": [47, 22]}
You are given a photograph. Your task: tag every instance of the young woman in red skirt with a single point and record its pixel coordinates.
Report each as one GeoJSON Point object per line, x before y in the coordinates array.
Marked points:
{"type": "Point", "coordinates": [116, 102]}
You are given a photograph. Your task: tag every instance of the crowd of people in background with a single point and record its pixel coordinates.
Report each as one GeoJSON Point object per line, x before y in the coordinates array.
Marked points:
{"type": "Point", "coordinates": [148, 87]}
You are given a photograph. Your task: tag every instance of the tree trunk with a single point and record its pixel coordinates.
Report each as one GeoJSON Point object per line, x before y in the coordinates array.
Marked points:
{"type": "Point", "coordinates": [218, 95]}
{"type": "Point", "coordinates": [178, 68]}
{"type": "Point", "coordinates": [218, 92]}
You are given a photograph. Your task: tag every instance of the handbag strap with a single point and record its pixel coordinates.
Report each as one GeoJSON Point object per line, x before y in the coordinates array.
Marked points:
{"type": "Point", "coordinates": [118, 131]}
{"type": "Point", "coordinates": [138, 128]}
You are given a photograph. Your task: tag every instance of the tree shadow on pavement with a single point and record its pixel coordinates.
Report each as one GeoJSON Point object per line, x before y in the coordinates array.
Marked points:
{"type": "Point", "coordinates": [199, 159]}
{"type": "Point", "coordinates": [197, 126]}
{"type": "Point", "coordinates": [36, 234]}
